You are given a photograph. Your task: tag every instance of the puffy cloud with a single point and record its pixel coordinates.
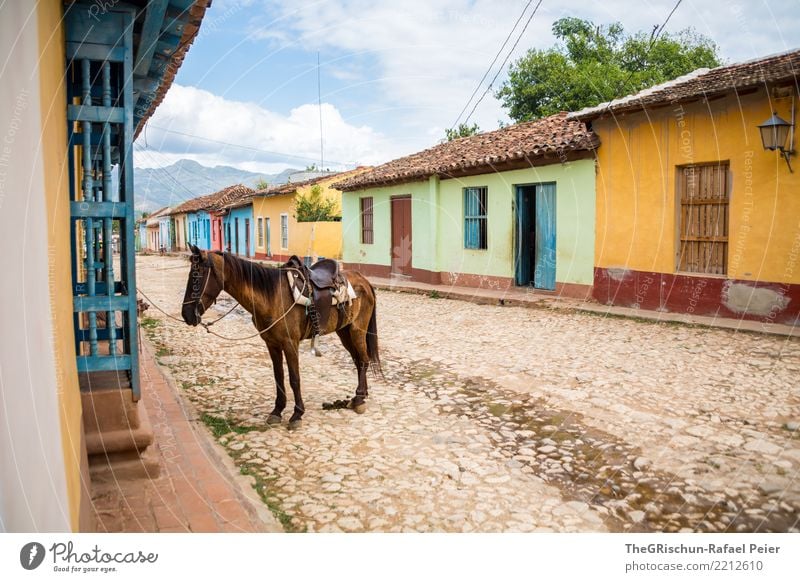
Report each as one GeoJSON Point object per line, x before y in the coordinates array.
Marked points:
{"type": "Point", "coordinates": [195, 124]}
{"type": "Point", "coordinates": [431, 55]}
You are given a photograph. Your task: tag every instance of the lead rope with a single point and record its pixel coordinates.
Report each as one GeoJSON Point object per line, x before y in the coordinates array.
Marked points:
{"type": "Point", "coordinates": [258, 333]}
{"type": "Point", "coordinates": [208, 325]}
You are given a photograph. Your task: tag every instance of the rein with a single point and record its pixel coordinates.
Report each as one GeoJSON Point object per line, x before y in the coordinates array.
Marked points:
{"type": "Point", "coordinates": [208, 325]}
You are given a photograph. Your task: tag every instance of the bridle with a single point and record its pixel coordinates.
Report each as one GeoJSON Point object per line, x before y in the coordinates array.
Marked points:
{"type": "Point", "coordinates": [198, 298]}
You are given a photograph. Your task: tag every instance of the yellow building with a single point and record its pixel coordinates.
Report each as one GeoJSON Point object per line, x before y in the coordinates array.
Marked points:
{"type": "Point", "coordinates": [52, 339]}
{"type": "Point", "coordinates": [278, 234]}
{"type": "Point", "coordinates": [694, 215]}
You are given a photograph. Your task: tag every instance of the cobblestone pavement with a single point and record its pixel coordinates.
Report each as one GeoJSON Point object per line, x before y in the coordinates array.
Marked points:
{"type": "Point", "coordinates": [505, 419]}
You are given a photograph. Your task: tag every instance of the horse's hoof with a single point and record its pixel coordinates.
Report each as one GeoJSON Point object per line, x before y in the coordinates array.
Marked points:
{"type": "Point", "coordinates": [274, 419]}
{"type": "Point", "coordinates": [295, 424]}
{"type": "Point", "coordinates": [360, 408]}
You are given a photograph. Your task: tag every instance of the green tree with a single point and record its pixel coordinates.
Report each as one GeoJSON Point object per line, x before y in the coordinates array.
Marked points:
{"type": "Point", "coordinates": [463, 130]}
{"type": "Point", "coordinates": [262, 184]}
{"type": "Point", "coordinates": [593, 64]}
{"type": "Point", "coordinates": [314, 207]}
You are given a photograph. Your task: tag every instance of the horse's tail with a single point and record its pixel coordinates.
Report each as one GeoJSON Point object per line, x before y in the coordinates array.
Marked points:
{"type": "Point", "coordinates": [372, 336]}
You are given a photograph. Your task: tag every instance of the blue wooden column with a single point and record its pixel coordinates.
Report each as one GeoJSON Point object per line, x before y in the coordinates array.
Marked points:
{"type": "Point", "coordinates": [100, 130]}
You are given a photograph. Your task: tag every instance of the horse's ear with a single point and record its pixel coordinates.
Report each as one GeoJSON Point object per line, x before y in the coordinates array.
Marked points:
{"type": "Point", "coordinates": [194, 249]}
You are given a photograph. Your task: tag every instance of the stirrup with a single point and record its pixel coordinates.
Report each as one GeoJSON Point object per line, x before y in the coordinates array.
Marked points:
{"type": "Point", "coordinates": [314, 349]}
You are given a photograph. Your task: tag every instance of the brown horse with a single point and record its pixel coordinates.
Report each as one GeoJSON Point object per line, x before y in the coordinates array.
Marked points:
{"type": "Point", "coordinates": [266, 294]}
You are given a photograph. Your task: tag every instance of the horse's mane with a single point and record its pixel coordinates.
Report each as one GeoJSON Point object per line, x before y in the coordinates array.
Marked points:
{"type": "Point", "coordinates": [264, 279]}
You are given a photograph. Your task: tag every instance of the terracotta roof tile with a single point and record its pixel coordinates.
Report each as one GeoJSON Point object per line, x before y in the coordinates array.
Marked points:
{"type": "Point", "coordinates": [704, 83]}
{"type": "Point", "coordinates": [530, 141]}
{"type": "Point", "coordinates": [291, 187]}
{"type": "Point", "coordinates": [221, 200]}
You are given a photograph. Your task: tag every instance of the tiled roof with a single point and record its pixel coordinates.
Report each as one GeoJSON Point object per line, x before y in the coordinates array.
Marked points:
{"type": "Point", "coordinates": [705, 83]}
{"type": "Point", "coordinates": [292, 187]}
{"type": "Point", "coordinates": [221, 200]}
{"type": "Point", "coordinates": [152, 219]}
{"type": "Point", "coordinates": [529, 142]}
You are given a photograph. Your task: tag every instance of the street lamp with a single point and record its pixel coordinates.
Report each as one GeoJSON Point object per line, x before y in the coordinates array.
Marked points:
{"type": "Point", "coordinates": [774, 132]}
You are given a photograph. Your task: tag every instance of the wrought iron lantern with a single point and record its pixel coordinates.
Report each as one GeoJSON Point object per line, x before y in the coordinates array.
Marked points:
{"type": "Point", "coordinates": [774, 132]}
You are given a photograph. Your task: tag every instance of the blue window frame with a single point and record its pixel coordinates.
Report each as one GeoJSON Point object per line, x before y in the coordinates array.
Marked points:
{"type": "Point", "coordinates": [475, 219]}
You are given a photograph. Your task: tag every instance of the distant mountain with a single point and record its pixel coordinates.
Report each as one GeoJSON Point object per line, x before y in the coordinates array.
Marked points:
{"type": "Point", "coordinates": [169, 186]}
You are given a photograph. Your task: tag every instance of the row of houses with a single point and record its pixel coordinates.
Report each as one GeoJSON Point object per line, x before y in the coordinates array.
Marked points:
{"type": "Point", "coordinates": [668, 199]}
{"type": "Point", "coordinates": [258, 224]}
{"type": "Point", "coordinates": [679, 198]}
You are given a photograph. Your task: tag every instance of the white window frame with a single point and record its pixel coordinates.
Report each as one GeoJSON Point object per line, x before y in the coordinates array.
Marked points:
{"type": "Point", "coordinates": [260, 232]}
{"type": "Point", "coordinates": [284, 241]}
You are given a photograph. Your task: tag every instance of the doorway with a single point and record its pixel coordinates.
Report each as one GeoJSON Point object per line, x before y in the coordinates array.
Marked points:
{"type": "Point", "coordinates": [247, 237]}
{"type": "Point", "coordinates": [535, 236]}
{"type": "Point", "coordinates": [401, 235]}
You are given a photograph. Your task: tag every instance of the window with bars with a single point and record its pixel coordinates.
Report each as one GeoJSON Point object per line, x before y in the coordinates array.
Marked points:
{"type": "Point", "coordinates": [475, 220]}
{"type": "Point", "coordinates": [284, 231]}
{"type": "Point", "coordinates": [260, 231]}
{"type": "Point", "coordinates": [703, 194]}
{"type": "Point", "coordinates": [367, 233]}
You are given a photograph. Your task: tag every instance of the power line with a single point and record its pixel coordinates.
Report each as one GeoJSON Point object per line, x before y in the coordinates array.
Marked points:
{"type": "Point", "coordinates": [494, 60]}
{"type": "Point", "coordinates": [508, 56]}
{"type": "Point", "coordinates": [244, 147]}
{"type": "Point", "coordinates": [654, 37]}
{"type": "Point", "coordinates": [192, 195]}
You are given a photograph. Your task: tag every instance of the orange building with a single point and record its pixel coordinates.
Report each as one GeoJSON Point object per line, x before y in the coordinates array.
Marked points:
{"type": "Point", "coordinates": [694, 215]}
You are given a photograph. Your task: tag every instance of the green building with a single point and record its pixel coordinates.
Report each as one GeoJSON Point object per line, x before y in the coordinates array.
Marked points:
{"type": "Point", "coordinates": [512, 207]}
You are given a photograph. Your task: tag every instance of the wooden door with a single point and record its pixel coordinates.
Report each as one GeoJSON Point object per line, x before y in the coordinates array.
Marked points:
{"type": "Point", "coordinates": [247, 237]}
{"type": "Point", "coordinates": [236, 233]}
{"type": "Point", "coordinates": [704, 198]}
{"type": "Point", "coordinates": [269, 237]}
{"type": "Point", "coordinates": [401, 235]}
{"type": "Point", "coordinates": [544, 276]}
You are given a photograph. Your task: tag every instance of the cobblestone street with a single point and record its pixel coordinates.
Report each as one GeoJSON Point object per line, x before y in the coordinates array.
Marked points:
{"type": "Point", "coordinates": [495, 418]}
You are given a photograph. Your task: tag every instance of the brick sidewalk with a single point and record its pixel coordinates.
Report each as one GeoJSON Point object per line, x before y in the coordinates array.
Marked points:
{"type": "Point", "coordinates": [197, 489]}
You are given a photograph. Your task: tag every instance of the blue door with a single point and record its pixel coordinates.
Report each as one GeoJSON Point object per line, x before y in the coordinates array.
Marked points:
{"type": "Point", "coordinates": [544, 276]}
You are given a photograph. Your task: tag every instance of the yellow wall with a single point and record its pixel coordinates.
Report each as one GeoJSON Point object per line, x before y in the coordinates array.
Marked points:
{"type": "Point", "coordinates": [54, 153]}
{"type": "Point", "coordinates": [325, 242]}
{"type": "Point", "coordinates": [317, 239]}
{"type": "Point", "coordinates": [636, 193]}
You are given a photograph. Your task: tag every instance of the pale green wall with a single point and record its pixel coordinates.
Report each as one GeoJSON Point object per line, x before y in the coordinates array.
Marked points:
{"type": "Point", "coordinates": [379, 253]}
{"type": "Point", "coordinates": [438, 237]}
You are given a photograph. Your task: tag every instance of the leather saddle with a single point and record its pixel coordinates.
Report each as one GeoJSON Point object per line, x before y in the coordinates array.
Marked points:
{"type": "Point", "coordinates": [324, 278]}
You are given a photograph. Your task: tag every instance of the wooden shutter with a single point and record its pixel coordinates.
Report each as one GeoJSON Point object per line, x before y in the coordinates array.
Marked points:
{"type": "Point", "coordinates": [367, 231]}
{"type": "Point", "coordinates": [704, 198]}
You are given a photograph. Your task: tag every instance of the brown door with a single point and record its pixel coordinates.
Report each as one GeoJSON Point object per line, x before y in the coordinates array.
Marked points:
{"type": "Point", "coordinates": [401, 235]}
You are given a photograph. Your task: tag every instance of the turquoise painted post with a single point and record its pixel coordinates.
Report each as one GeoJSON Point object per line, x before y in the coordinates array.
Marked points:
{"type": "Point", "coordinates": [88, 196]}
{"type": "Point", "coordinates": [111, 316]}
{"type": "Point", "coordinates": [545, 271]}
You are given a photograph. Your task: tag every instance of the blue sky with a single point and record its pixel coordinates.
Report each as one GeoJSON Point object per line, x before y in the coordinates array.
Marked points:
{"type": "Point", "coordinates": [394, 74]}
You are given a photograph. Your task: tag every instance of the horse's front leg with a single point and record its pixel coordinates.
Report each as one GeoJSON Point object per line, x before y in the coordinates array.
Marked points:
{"type": "Point", "coordinates": [280, 398]}
{"type": "Point", "coordinates": [293, 363]}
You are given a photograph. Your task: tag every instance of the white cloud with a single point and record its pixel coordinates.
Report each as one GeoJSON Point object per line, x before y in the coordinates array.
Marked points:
{"type": "Point", "coordinates": [431, 55]}
{"type": "Point", "coordinates": [195, 124]}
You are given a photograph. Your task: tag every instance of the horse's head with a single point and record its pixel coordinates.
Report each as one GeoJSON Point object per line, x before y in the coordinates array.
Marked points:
{"type": "Point", "coordinates": [202, 288]}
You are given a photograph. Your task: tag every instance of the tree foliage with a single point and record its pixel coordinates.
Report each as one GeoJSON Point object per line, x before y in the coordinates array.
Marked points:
{"type": "Point", "coordinates": [463, 130]}
{"type": "Point", "coordinates": [314, 207]}
{"type": "Point", "coordinates": [262, 184]}
{"type": "Point", "coordinates": [593, 64]}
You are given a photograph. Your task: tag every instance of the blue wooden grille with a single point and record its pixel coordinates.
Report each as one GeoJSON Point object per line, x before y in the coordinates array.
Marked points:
{"type": "Point", "coordinates": [475, 230]}
{"type": "Point", "coordinates": [100, 109]}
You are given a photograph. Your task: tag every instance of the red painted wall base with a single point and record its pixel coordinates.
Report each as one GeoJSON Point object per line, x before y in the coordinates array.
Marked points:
{"type": "Point", "coordinates": [699, 295]}
{"type": "Point", "coordinates": [468, 280]}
